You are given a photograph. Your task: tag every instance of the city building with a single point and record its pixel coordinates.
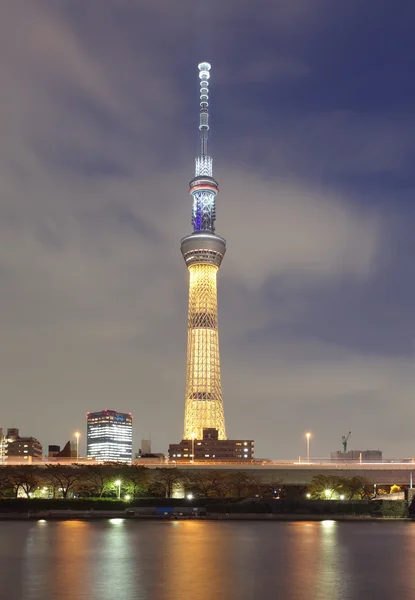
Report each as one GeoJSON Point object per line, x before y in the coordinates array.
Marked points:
{"type": "Point", "coordinates": [68, 451]}
{"type": "Point", "coordinates": [109, 436]}
{"type": "Point", "coordinates": [357, 455]}
{"type": "Point", "coordinates": [203, 251]}
{"type": "Point", "coordinates": [211, 448]}
{"type": "Point", "coordinates": [145, 454]}
{"type": "Point", "coordinates": [3, 446]}
{"type": "Point", "coordinates": [145, 447]}
{"type": "Point", "coordinates": [22, 447]}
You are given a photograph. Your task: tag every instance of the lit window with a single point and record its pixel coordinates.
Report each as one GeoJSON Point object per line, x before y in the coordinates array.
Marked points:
{"type": "Point", "coordinates": [245, 443]}
{"type": "Point", "coordinates": [206, 455]}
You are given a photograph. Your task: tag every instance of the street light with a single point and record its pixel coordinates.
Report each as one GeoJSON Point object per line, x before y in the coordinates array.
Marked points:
{"type": "Point", "coordinates": [307, 437]}
{"type": "Point", "coordinates": [77, 435]}
{"type": "Point", "coordinates": [193, 447]}
{"type": "Point", "coordinates": [118, 484]}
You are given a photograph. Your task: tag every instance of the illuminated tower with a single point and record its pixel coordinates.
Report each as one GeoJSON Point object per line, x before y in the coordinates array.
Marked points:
{"type": "Point", "coordinates": [203, 252]}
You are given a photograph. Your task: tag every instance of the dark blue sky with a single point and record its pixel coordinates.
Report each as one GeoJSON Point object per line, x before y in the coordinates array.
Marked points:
{"type": "Point", "coordinates": [312, 116]}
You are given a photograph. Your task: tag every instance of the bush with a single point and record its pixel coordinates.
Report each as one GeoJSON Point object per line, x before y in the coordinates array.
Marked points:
{"type": "Point", "coordinates": [394, 509]}
{"type": "Point", "coordinates": [24, 505]}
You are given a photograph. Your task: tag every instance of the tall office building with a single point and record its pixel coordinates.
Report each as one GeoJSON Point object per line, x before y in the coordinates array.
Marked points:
{"type": "Point", "coordinates": [109, 436]}
{"type": "Point", "coordinates": [203, 251]}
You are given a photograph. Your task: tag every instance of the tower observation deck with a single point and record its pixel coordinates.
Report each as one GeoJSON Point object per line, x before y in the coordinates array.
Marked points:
{"type": "Point", "coordinates": [203, 251]}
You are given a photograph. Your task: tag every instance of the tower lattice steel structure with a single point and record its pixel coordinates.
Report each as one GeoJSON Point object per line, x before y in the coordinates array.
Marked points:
{"type": "Point", "coordinates": [203, 252]}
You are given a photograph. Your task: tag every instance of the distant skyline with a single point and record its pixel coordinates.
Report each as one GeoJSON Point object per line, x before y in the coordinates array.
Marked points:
{"type": "Point", "coordinates": [313, 138]}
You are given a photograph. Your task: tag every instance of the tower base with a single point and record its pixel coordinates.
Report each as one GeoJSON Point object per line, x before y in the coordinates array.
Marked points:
{"type": "Point", "coordinates": [211, 449]}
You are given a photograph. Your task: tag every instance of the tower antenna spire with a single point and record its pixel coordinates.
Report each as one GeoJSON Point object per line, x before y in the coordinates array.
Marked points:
{"type": "Point", "coordinates": [203, 188]}
{"type": "Point", "coordinates": [204, 75]}
{"type": "Point", "coordinates": [204, 161]}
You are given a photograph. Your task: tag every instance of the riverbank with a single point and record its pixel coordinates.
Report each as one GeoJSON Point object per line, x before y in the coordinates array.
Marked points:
{"type": "Point", "coordinates": [71, 515]}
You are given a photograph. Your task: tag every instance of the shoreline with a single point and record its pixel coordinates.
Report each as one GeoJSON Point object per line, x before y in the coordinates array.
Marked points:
{"type": "Point", "coordinates": [107, 515]}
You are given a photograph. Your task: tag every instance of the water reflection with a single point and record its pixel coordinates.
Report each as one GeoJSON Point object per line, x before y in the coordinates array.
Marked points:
{"type": "Point", "coordinates": [68, 567]}
{"type": "Point", "coordinates": [207, 561]}
{"type": "Point", "coordinates": [195, 561]}
{"type": "Point", "coordinates": [117, 562]}
{"type": "Point", "coordinates": [302, 559]}
{"type": "Point", "coordinates": [333, 577]}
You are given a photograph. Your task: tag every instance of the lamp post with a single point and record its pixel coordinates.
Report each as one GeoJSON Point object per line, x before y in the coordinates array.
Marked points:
{"type": "Point", "coordinates": [307, 437]}
{"type": "Point", "coordinates": [118, 484]}
{"type": "Point", "coordinates": [193, 448]}
{"type": "Point", "coordinates": [77, 435]}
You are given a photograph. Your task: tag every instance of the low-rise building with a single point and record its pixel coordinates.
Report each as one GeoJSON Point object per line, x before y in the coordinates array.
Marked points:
{"type": "Point", "coordinates": [357, 455]}
{"type": "Point", "coordinates": [68, 451]}
{"type": "Point", "coordinates": [212, 449]}
{"type": "Point", "coordinates": [22, 447]}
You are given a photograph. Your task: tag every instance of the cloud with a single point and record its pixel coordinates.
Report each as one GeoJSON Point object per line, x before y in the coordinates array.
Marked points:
{"type": "Point", "coordinates": [98, 131]}
{"type": "Point", "coordinates": [290, 229]}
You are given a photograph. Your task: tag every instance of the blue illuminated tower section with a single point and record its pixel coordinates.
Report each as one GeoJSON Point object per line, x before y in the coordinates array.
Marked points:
{"type": "Point", "coordinates": [203, 252]}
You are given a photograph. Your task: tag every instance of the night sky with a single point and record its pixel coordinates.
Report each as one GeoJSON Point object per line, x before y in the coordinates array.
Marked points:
{"type": "Point", "coordinates": [313, 141]}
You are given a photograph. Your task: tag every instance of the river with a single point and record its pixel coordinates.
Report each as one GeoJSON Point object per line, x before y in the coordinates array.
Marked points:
{"type": "Point", "coordinates": [201, 560]}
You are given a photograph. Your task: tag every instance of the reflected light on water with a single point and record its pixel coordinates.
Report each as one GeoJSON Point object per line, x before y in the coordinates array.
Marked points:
{"type": "Point", "coordinates": [248, 560]}
{"type": "Point", "coordinates": [69, 576]}
{"type": "Point", "coordinates": [333, 579]}
{"type": "Point", "coordinates": [327, 523]}
{"type": "Point", "coordinates": [194, 562]}
{"type": "Point", "coordinates": [116, 521]}
{"type": "Point", "coordinates": [302, 558]}
{"type": "Point", "coordinates": [117, 562]}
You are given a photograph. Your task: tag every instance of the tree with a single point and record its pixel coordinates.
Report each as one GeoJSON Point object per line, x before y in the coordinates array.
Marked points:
{"type": "Point", "coordinates": [270, 487]}
{"type": "Point", "coordinates": [63, 477]}
{"type": "Point", "coordinates": [241, 484]}
{"type": "Point", "coordinates": [5, 485]}
{"type": "Point", "coordinates": [23, 477]}
{"type": "Point", "coordinates": [329, 487]}
{"type": "Point", "coordinates": [98, 479]}
{"type": "Point", "coordinates": [356, 487]}
{"type": "Point", "coordinates": [164, 480]}
{"type": "Point", "coordinates": [136, 479]}
{"type": "Point", "coordinates": [324, 487]}
{"type": "Point", "coordinates": [209, 483]}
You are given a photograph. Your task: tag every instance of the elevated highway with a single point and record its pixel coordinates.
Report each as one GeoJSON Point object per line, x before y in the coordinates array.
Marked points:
{"type": "Point", "coordinates": [286, 472]}
{"type": "Point", "coordinates": [387, 473]}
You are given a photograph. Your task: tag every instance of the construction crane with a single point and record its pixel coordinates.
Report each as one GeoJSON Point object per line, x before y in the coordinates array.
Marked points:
{"type": "Point", "coordinates": [345, 439]}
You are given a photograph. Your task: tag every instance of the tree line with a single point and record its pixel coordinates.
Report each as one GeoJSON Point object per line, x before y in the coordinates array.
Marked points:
{"type": "Point", "coordinates": [330, 487]}
{"type": "Point", "coordinates": [127, 482]}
